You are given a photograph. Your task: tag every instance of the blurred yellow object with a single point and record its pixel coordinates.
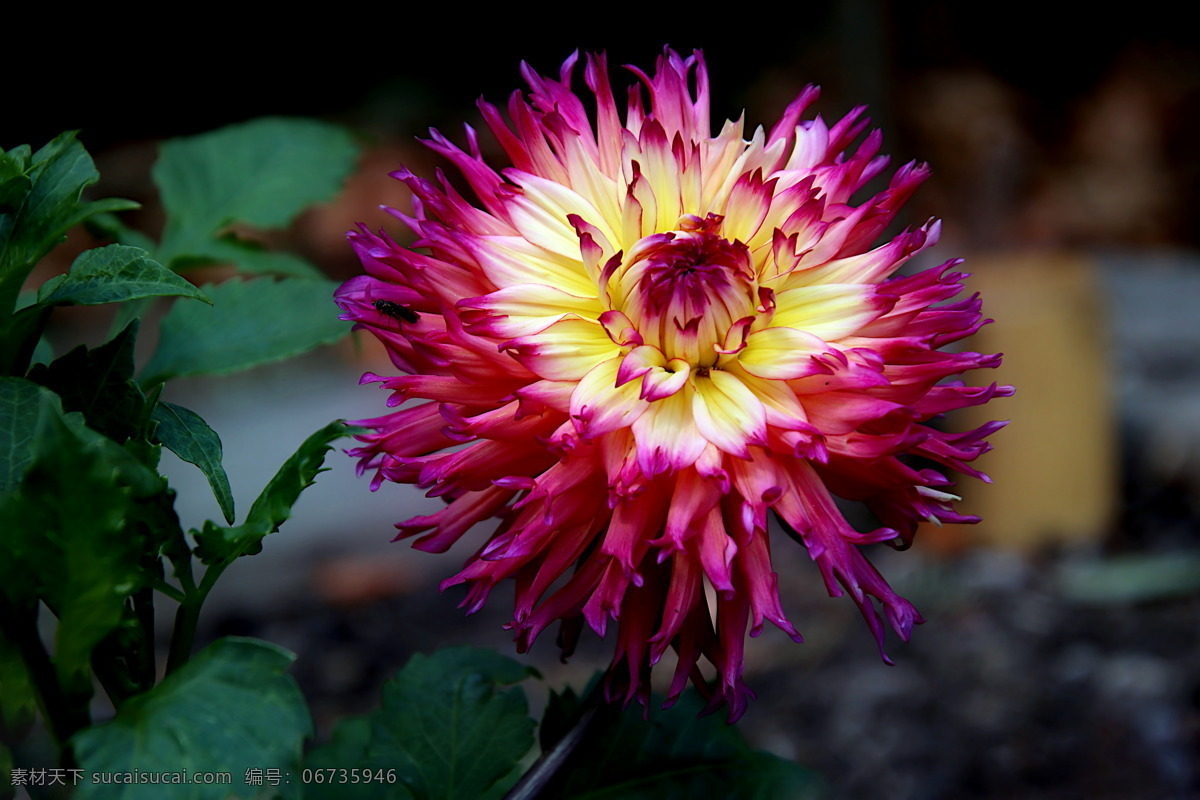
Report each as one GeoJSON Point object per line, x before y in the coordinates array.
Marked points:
{"type": "Point", "coordinates": [1055, 465]}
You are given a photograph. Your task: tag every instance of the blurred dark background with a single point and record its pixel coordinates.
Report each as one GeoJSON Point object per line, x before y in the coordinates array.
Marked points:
{"type": "Point", "coordinates": [1046, 123]}
{"type": "Point", "coordinates": [1061, 658]}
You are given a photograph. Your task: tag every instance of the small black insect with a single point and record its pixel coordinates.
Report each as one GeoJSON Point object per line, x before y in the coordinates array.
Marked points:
{"type": "Point", "coordinates": [396, 311]}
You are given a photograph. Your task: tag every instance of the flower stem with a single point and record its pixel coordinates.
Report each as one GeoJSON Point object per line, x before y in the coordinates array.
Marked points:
{"type": "Point", "coordinates": [188, 616]}
{"type": "Point", "coordinates": [544, 778]}
{"type": "Point", "coordinates": [143, 606]}
{"type": "Point", "coordinates": [184, 632]}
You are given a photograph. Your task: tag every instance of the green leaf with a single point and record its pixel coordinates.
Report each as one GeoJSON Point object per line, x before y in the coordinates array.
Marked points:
{"type": "Point", "coordinates": [262, 172]}
{"type": "Point", "coordinates": [453, 729]}
{"type": "Point", "coordinates": [230, 709]}
{"type": "Point", "coordinates": [39, 201]}
{"type": "Point", "coordinates": [249, 323]}
{"type": "Point", "coordinates": [115, 274]}
{"type": "Point", "coordinates": [110, 226]}
{"type": "Point", "coordinates": [677, 755]}
{"type": "Point", "coordinates": [99, 384]}
{"type": "Point", "coordinates": [450, 725]}
{"type": "Point", "coordinates": [19, 336]}
{"type": "Point", "coordinates": [43, 353]}
{"type": "Point", "coordinates": [71, 536]}
{"type": "Point", "coordinates": [32, 425]}
{"type": "Point", "coordinates": [274, 505]}
{"type": "Point", "coordinates": [13, 181]}
{"type": "Point", "coordinates": [17, 707]}
{"type": "Point", "coordinates": [25, 411]}
{"type": "Point", "coordinates": [249, 257]}
{"type": "Point", "coordinates": [187, 435]}
{"type": "Point", "coordinates": [347, 750]}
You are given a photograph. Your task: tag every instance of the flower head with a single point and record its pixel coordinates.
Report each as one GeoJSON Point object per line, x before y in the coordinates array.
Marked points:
{"type": "Point", "coordinates": [639, 339]}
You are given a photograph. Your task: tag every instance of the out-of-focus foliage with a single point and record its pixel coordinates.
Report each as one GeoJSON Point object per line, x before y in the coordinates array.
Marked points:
{"type": "Point", "coordinates": [89, 530]}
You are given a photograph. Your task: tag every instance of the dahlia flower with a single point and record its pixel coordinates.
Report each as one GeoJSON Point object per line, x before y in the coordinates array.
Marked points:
{"type": "Point", "coordinates": [639, 339]}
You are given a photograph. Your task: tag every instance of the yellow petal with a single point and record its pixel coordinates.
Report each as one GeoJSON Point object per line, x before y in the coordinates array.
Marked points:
{"type": "Point", "coordinates": [566, 351]}
{"type": "Point", "coordinates": [782, 354]}
{"type": "Point", "coordinates": [666, 434]}
{"type": "Point", "coordinates": [830, 311]}
{"type": "Point", "coordinates": [727, 413]}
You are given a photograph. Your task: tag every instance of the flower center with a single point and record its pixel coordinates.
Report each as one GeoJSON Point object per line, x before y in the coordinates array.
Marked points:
{"type": "Point", "coordinates": [684, 289]}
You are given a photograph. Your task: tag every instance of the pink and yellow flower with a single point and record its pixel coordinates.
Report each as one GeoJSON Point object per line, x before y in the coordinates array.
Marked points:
{"type": "Point", "coordinates": [638, 340]}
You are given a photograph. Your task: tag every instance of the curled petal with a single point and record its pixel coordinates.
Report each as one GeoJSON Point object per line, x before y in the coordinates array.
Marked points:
{"type": "Point", "coordinates": [620, 329]}
{"type": "Point", "coordinates": [639, 361]}
{"type": "Point", "coordinates": [599, 405]}
{"type": "Point", "coordinates": [665, 381]}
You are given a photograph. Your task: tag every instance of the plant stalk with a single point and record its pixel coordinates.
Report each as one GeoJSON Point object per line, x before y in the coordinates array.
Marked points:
{"type": "Point", "coordinates": [544, 778]}
{"type": "Point", "coordinates": [188, 617]}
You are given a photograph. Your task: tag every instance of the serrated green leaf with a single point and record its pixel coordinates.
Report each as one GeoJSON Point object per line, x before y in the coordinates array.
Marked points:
{"type": "Point", "coordinates": [114, 274]}
{"type": "Point", "coordinates": [561, 714]}
{"type": "Point", "coordinates": [31, 422]}
{"type": "Point", "coordinates": [451, 724]}
{"type": "Point", "coordinates": [452, 728]}
{"type": "Point", "coordinates": [230, 709]}
{"type": "Point", "coordinates": [187, 435]}
{"type": "Point", "coordinates": [25, 410]}
{"type": "Point", "coordinates": [262, 172]}
{"type": "Point", "coordinates": [34, 220]}
{"type": "Point", "coordinates": [31, 425]}
{"type": "Point", "coordinates": [678, 755]}
{"type": "Point", "coordinates": [52, 180]}
{"type": "Point", "coordinates": [14, 182]}
{"type": "Point", "coordinates": [99, 384]}
{"type": "Point", "coordinates": [249, 323]}
{"type": "Point", "coordinates": [347, 750]}
{"type": "Point", "coordinates": [13, 162]}
{"type": "Point", "coordinates": [274, 505]}
{"type": "Point", "coordinates": [70, 540]}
